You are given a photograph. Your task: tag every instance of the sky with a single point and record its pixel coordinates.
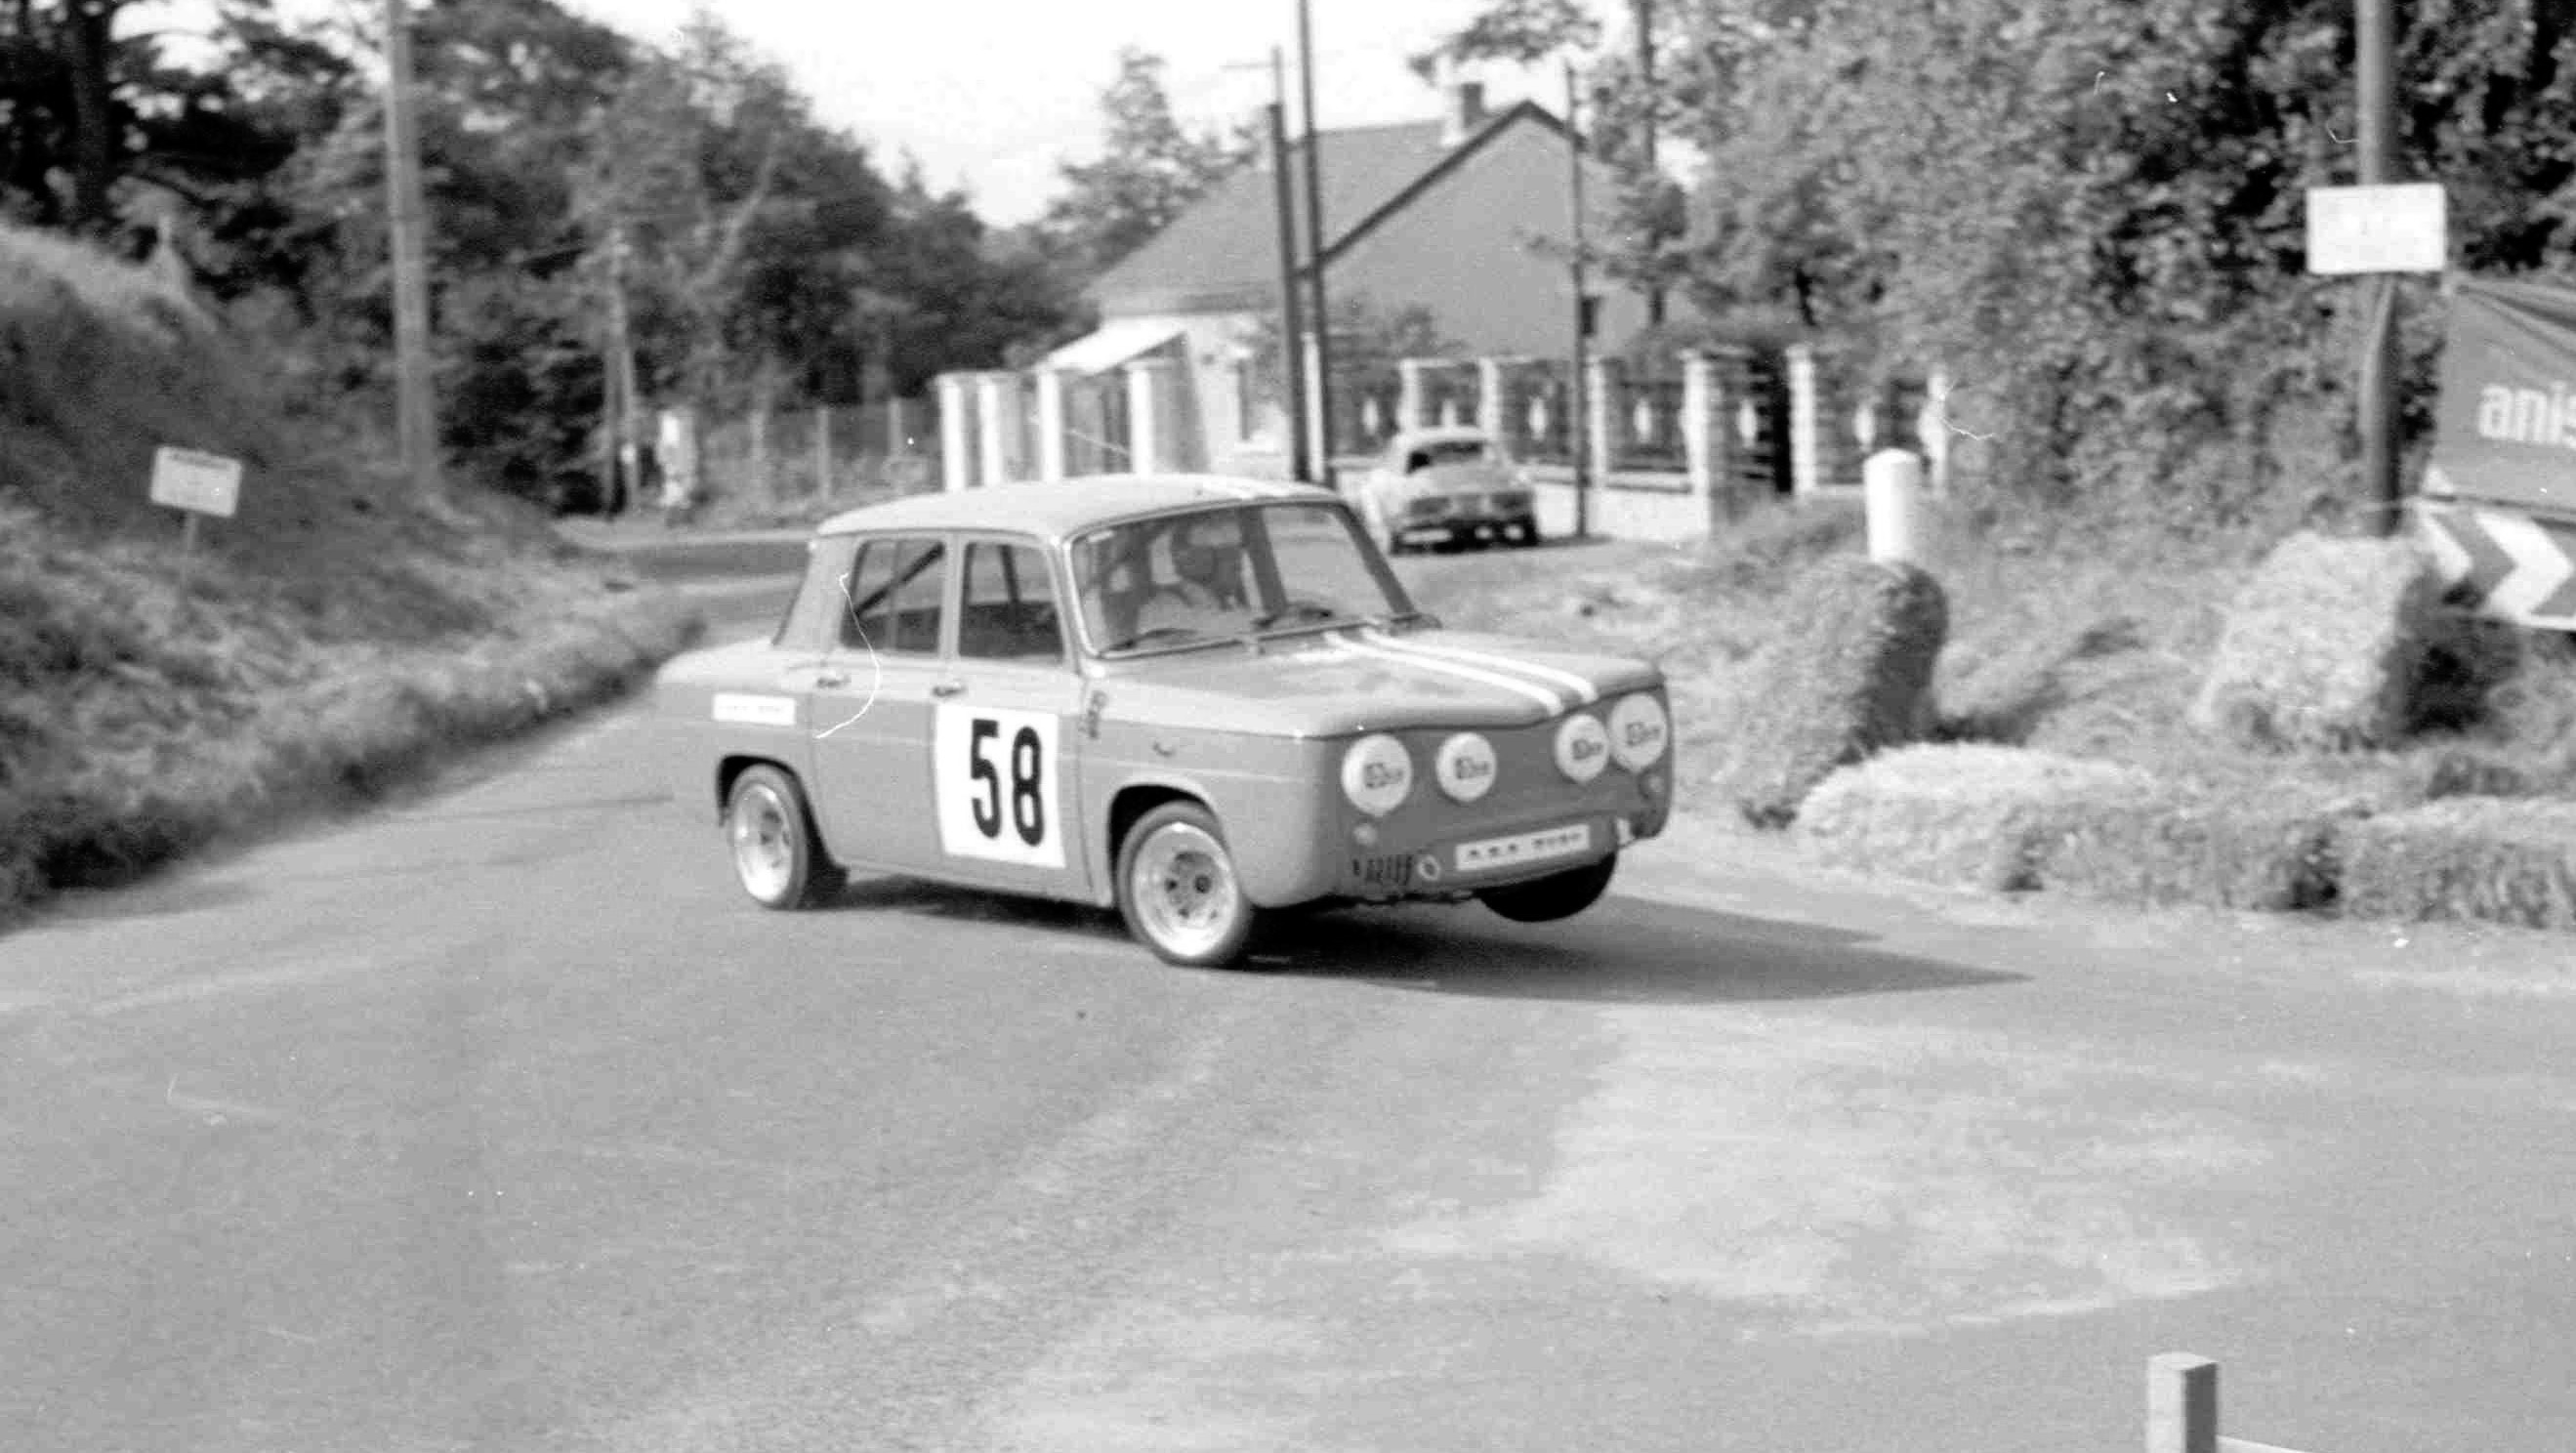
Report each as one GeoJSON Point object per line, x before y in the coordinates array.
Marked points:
{"type": "Point", "coordinates": [992, 95]}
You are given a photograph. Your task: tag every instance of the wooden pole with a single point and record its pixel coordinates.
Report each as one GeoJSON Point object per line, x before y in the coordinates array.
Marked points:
{"type": "Point", "coordinates": [621, 363]}
{"type": "Point", "coordinates": [1643, 12]}
{"type": "Point", "coordinates": [1292, 337]}
{"type": "Point", "coordinates": [1578, 426]}
{"type": "Point", "coordinates": [822, 451]}
{"type": "Point", "coordinates": [1323, 313]}
{"type": "Point", "coordinates": [417, 408]}
{"type": "Point", "coordinates": [2376, 88]}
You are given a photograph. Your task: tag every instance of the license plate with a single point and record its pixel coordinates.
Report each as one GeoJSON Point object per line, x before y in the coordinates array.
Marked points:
{"type": "Point", "coordinates": [1520, 849]}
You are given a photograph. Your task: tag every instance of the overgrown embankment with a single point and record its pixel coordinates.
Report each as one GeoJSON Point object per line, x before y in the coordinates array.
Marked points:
{"type": "Point", "coordinates": [331, 638]}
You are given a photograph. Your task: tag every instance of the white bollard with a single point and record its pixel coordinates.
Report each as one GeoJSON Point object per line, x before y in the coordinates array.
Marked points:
{"type": "Point", "coordinates": [1892, 489]}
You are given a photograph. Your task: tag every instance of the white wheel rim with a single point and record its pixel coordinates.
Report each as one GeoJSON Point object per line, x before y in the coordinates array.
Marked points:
{"type": "Point", "coordinates": [1184, 889]}
{"type": "Point", "coordinates": [764, 842]}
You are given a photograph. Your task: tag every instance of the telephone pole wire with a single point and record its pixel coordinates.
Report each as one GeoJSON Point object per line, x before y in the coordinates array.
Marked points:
{"type": "Point", "coordinates": [417, 408]}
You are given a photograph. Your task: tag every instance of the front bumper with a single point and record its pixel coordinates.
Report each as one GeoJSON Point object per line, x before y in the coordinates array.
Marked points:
{"type": "Point", "coordinates": [1491, 856]}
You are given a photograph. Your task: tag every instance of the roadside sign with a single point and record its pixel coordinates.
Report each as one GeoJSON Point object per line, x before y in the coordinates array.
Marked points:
{"type": "Point", "coordinates": [206, 484]}
{"type": "Point", "coordinates": [2395, 228]}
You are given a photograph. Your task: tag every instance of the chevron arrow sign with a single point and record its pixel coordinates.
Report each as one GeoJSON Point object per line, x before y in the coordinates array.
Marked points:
{"type": "Point", "coordinates": [2504, 562]}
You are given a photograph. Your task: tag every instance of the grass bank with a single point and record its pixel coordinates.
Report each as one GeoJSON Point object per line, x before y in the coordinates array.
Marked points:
{"type": "Point", "coordinates": [328, 641]}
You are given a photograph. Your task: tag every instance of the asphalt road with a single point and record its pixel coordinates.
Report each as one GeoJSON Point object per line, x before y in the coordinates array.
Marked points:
{"type": "Point", "coordinates": [500, 1120]}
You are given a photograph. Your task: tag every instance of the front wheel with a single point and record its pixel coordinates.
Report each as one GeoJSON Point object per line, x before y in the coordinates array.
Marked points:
{"type": "Point", "coordinates": [1178, 891]}
{"type": "Point", "coordinates": [1526, 533]}
{"type": "Point", "coordinates": [1558, 895]}
{"type": "Point", "coordinates": [777, 856]}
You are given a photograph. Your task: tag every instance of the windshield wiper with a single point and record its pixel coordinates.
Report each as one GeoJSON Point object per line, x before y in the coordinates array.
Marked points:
{"type": "Point", "coordinates": [1159, 635]}
{"type": "Point", "coordinates": [1297, 610]}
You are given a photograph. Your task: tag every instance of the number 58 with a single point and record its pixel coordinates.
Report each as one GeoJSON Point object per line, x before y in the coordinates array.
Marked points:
{"type": "Point", "coordinates": [1027, 790]}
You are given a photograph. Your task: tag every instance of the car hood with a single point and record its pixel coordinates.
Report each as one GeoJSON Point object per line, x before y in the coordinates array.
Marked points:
{"type": "Point", "coordinates": [1344, 682]}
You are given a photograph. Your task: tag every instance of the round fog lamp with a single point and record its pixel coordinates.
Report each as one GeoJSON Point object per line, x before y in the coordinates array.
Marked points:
{"type": "Point", "coordinates": [1377, 774]}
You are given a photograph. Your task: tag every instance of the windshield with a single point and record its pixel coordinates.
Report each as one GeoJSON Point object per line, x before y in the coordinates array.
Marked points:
{"type": "Point", "coordinates": [1227, 573]}
{"type": "Point", "coordinates": [1448, 451]}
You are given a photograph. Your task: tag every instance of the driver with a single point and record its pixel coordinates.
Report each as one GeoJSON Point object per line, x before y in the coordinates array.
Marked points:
{"type": "Point", "coordinates": [1207, 561]}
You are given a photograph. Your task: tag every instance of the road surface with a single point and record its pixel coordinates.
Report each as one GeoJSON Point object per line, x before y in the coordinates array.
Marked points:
{"type": "Point", "coordinates": [500, 1120]}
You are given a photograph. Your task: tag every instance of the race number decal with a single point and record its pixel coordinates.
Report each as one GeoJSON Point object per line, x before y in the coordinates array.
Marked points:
{"type": "Point", "coordinates": [996, 777]}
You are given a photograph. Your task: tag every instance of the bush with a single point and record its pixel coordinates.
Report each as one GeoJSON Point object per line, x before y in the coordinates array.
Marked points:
{"type": "Point", "coordinates": [2490, 859]}
{"type": "Point", "coordinates": [1854, 677]}
{"type": "Point", "coordinates": [1968, 815]}
{"type": "Point", "coordinates": [2323, 647]}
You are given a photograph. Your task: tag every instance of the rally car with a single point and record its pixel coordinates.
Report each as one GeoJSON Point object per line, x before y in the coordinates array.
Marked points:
{"type": "Point", "coordinates": [1447, 485]}
{"type": "Point", "coordinates": [1202, 700]}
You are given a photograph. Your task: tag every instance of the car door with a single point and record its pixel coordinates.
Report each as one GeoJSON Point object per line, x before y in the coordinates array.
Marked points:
{"type": "Point", "coordinates": [1003, 746]}
{"type": "Point", "coordinates": [872, 706]}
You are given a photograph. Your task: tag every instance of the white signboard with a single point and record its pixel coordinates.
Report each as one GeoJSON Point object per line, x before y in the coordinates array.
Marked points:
{"type": "Point", "coordinates": [184, 479]}
{"type": "Point", "coordinates": [2400, 228]}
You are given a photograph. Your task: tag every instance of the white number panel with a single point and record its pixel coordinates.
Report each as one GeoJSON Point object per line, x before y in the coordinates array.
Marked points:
{"type": "Point", "coordinates": [995, 773]}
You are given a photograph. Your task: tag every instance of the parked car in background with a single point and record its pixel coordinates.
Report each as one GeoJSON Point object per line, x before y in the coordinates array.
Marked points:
{"type": "Point", "coordinates": [1199, 699]}
{"type": "Point", "coordinates": [1447, 485]}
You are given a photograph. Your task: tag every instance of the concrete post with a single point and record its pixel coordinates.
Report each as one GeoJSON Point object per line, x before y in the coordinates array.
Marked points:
{"type": "Point", "coordinates": [1489, 398]}
{"type": "Point", "coordinates": [1932, 430]}
{"type": "Point", "coordinates": [1892, 492]}
{"type": "Point", "coordinates": [993, 418]}
{"type": "Point", "coordinates": [2182, 1404]}
{"type": "Point", "coordinates": [1599, 376]}
{"type": "Point", "coordinates": [956, 433]}
{"type": "Point", "coordinates": [1703, 432]}
{"type": "Point", "coordinates": [1412, 400]}
{"type": "Point", "coordinates": [1149, 415]}
{"type": "Point", "coordinates": [1051, 424]}
{"type": "Point", "coordinates": [1806, 422]}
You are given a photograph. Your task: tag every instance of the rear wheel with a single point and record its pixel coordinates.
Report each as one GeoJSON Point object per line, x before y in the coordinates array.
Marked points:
{"type": "Point", "coordinates": [1178, 891]}
{"type": "Point", "coordinates": [1558, 895]}
{"type": "Point", "coordinates": [777, 856]}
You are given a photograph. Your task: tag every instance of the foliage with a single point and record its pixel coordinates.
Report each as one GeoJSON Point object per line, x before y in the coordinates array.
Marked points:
{"type": "Point", "coordinates": [1149, 171]}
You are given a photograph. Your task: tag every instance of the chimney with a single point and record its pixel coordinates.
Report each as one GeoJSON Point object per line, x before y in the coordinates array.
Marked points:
{"type": "Point", "coordinates": [1462, 108]}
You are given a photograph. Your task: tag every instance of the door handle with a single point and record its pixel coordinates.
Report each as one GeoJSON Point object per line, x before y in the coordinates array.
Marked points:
{"type": "Point", "coordinates": [948, 688]}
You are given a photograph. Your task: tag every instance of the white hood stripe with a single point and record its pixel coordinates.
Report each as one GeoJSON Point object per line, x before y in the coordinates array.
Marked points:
{"type": "Point", "coordinates": [1584, 691]}
{"type": "Point", "coordinates": [1544, 698]}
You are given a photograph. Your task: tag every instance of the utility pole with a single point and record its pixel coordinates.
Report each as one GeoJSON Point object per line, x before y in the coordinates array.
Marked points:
{"type": "Point", "coordinates": [2378, 124]}
{"type": "Point", "coordinates": [1292, 328]}
{"type": "Point", "coordinates": [1323, 313]}
{"type": "Point", "coordinates": [417, 410]}
{"type": "Point", "coordinates": [1643, 13]}
{"type": "Point", "coordinates": [1578, 427]}
{"type": "Point", "coordinates": [623, 430]}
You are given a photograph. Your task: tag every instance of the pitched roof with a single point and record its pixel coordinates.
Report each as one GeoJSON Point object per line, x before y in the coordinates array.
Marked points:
{"type": "Point", "coordinates": [1223, 252]}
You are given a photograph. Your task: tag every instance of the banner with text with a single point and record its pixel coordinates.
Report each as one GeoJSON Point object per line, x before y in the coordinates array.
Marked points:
{"type": "Point", "coordinates": [2506, 419]}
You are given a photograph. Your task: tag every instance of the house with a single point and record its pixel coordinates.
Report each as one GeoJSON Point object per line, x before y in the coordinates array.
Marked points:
{"type": "Point", "coordinates": [1465, 216]}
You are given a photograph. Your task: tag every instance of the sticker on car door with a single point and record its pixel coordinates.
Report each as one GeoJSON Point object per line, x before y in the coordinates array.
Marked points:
{"type": "Point", "coordinates": [995, 775]}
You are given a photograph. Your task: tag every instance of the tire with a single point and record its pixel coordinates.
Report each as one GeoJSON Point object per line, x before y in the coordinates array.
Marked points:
{"type": "Point", "coordinates": [1558, 895]}
{"type": "Point", "coordinates": [1178, 891]}
{"type": "Point", "coordinates": [1525, 533]}
{"type": "Point", "coordinates": [769, 832]}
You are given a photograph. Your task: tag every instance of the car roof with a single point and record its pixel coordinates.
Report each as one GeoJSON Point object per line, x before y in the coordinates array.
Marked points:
{"type": "Point", "coordinates": [1061, 509]}
{"type": "Point", "coordinates": [1444, 434]}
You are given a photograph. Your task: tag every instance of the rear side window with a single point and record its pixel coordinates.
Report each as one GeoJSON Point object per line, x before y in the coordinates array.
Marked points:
{"type": "Point", "coordinates": [896, 596]}
{"type": "Point", "coordinates": [809, 624]}
{"type": "Point", "coordinates": [1010, 611]}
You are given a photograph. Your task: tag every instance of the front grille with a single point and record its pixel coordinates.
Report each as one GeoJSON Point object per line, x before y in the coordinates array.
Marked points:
{"type": "Point", "coordinates": [1428, 509]}
{"type": "Point", "coordinates": [1386, 870]}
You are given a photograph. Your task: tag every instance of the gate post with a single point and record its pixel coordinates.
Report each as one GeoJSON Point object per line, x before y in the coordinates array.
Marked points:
{"type": "Point", "coordinates": [2182, 1404]}
{"type": "Point", "coordinates": [1806, 423]}
{"type": "Point", "coordinates": [956, 440]}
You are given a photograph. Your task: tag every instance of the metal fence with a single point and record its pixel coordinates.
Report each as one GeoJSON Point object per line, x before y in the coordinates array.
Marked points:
{"type": "Point", "coordinates": [1452, 393]}
{"type": "Point", "coordinates": [788, 455]}
{"type": "Point", "coordinates": [1367, 401]}
{"type": "Point", "coordinates": [1538, 413]}
{"type": "Point", "coordinates": [1645, 424]}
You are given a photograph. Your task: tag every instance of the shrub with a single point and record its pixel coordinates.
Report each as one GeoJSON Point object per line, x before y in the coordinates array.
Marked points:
{"type": "Point", "coordinates": [2322, 647]}
{"type": "Point", "coordinates": [2491, 859]}
{"type": "Point", "coordinates": [1968, 815]}
{"type": "Point", "coordinates": [1852, 676]}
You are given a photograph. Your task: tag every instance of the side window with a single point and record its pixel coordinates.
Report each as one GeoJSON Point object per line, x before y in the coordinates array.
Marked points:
{"type": "Point", "coordinates": [895, 596]}
{"type": "Point", "coordinates": [1010, 608]}
{"type": "Point", "coordinates": [809, 623]}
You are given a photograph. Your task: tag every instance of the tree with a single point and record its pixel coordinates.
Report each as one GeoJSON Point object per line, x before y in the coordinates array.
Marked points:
{"type": "Point", "coordinates": [1149, 171]}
